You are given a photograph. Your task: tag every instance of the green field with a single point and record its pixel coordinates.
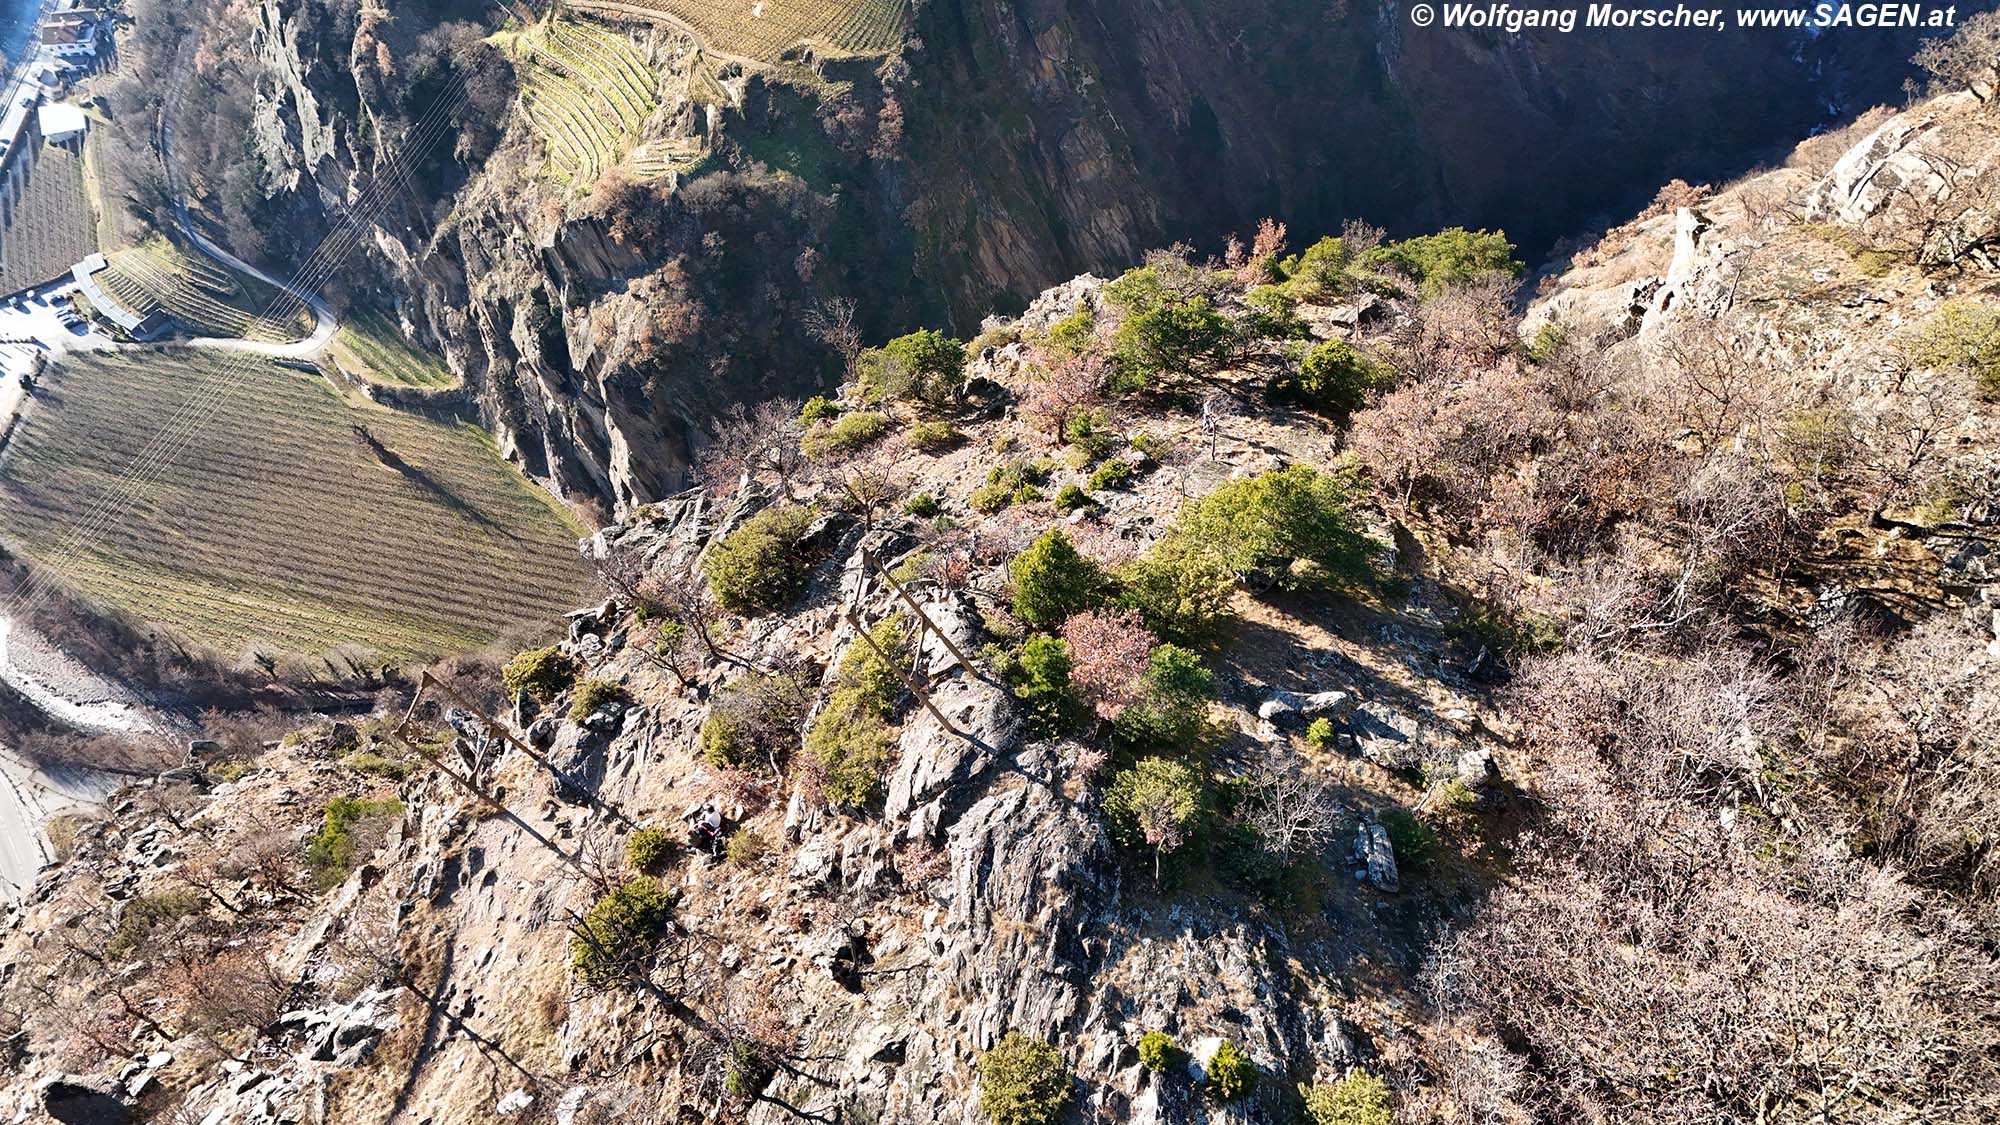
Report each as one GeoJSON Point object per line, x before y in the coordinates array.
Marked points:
{"type": "Point", "coordinates": [772, 31]}
{"type": "Point", "coordinates": [295, 523]}
{"type": "Point", "coordinates": [371, 346]}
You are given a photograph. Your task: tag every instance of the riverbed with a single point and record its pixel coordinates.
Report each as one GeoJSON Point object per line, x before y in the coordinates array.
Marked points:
{"type": "Point", "coordinates": [30, 794]}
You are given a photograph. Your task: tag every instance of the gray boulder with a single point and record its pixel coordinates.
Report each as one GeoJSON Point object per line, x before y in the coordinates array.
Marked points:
{"type": "Point", "coordinates": [1477, 769]}
{"type": "Point", "coordinates": [1292, 706]}
{"type": "Point", "coordinates": [1387, 736]}
{"type": "Point", "coordinates": [1377, 856]}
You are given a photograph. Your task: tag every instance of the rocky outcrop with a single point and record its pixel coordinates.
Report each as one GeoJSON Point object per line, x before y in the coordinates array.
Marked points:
{"type": "Point", "coordinates": [1889, 161]}
{"type": "Point", "coordinates": [85, 1101]}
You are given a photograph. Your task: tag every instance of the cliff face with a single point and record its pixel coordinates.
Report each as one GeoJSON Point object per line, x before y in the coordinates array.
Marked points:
{"type": "Point", "coordinates": [1009, 144]}
{"type": "Point", "coordinates": [1050, 138]}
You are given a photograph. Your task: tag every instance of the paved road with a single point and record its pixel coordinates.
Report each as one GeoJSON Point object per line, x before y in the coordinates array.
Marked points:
{"type": "Point", "coordinates": [324, 326]}
{"type": "Point", "coordinates": [29, 796]}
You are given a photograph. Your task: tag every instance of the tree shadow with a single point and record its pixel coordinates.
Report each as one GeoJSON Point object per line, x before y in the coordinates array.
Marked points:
{"type": "Point", "coordinates": [423, 481]}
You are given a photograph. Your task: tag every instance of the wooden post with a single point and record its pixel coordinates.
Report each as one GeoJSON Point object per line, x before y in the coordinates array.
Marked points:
{"type": "Point", "coordinates": [909, 681]}
{"type": "Point", "coordinates": [499, 730]}
{"type": "Point", "coordinates": [487, 799]}
{"type": "Point", "coordinates": [868, 559]}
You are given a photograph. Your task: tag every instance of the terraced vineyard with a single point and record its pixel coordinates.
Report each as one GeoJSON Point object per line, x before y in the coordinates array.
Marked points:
{"type": "Point", "coordinates": [371, 346]}
{"type": "Point", "coordinates": [588, 94]}
{"type": "Point", "coordinates": [771, 30]}
{"type": "Point", "coordinates": [657, 158]}
{"type": "Point", "coordinates": [53, 228]}
{"type": "Point", "coordinates": [208, 299]}
{"type": "Point", "coordinates": [297, 522]}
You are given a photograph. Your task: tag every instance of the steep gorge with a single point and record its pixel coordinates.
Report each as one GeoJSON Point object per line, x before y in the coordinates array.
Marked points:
{"type": "Point", "coordinates": [1007, 145]}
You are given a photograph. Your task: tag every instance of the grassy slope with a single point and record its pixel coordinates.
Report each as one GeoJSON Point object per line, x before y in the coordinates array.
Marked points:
{"type": "Point", "coordinates": [369, 345]}
{"type": "Point", "coordinates": [278, 526]}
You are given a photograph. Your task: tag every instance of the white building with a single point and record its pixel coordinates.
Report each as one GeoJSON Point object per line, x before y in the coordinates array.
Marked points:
{"type": "Point", "coordinates": [62, 123]}
{"type": "Point", "coordinates": [69, 36]}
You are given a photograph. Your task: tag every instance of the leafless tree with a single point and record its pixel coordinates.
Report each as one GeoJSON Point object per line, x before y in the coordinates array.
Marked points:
{"type": "Point", "coordinates": [831, 321]}
{"type": "Point", "coordinates": [1925, 725]}
{"type": "Point", "coordinates": [1454, 335]}
{"type": "Point", "coordinates": [754, 442]}
{"type": "Point", "coordinates": [1663, 956]}
{"type": "Point", "coordinates": [1943, 218]}
{"type": "Point", "coordinates": [1295, 814]}
{"type": "Point", "coordinates": [869, 479]}
{"type": "Point", "coordinates": [1969, 59]}
{"type": "Point", "coordinates": [682, 593]}
{"type": "Point", "coordinates": [267, 858]}
{"type": "Point", "coordinates": [1711, 380]}
{"type": "Point", "coordinates": [1575, 373]}
{"type": "Point", "coordinates": [1360, 237]}
{"type": "Point", "coordinates": [1060, 388]}
{"type": "Point", "coordinates": [1750, 1006]}
{"type": "Point", "coordinates": [768, 707]}
{"type": "Point", "coordinates": [1729, 519]}
{"type": "Point", "coordinates": [1903, 450]}
{"type": "Point", "coordinates": [627, 575]}
{"type": "Point", "coordinates": [219, 989]}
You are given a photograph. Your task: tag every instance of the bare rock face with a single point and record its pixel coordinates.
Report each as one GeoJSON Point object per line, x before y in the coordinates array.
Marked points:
{"type": "Point", "coordinates": [1292, 706]}
{"type": "Point", "coordinates": [1890, 160]}
{"type": "Point", "coordinates": [290, 131]}
{"type": "Point", "coordinates": [1389, 737]}
{"type": "Point", "coordinates": [1033, 930]}
{"type": "Point", "coordinates": [1029, 874]}
{"type": "Point", "coordinates": [933, 758]}
{"type": "Point", "coordinates": [980, 723]}
{"type": "Point", "coordinates": [1696, 284]}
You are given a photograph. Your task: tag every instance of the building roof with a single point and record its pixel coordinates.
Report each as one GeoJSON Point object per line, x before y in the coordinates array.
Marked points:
{"type": "Point", "coordinates": [73, 28]}
{"type": "Point", "coordinates": [59, 119]}
{"type": "Point", "coordinates": [15, 120]}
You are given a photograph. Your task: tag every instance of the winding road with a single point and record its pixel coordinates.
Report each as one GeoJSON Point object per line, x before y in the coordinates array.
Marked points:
{"type": "Point", "coordinates": [324, 325]}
